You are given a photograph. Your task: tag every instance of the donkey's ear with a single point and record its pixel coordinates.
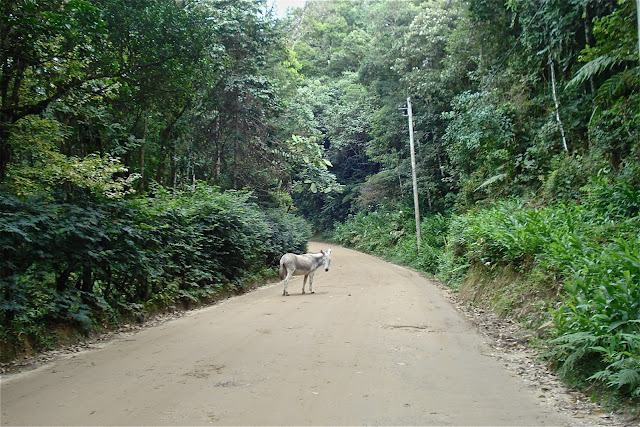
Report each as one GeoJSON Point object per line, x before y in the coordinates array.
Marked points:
{"type": "Point", "coordinates": [321, 251]}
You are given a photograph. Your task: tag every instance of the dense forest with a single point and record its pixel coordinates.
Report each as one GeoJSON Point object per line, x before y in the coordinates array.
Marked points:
{"type": "Point", "coordinates": [163, 152]}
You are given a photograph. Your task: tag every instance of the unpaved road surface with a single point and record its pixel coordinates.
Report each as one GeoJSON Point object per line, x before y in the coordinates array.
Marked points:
{"type": "Point", "coordinates": [376, 344]}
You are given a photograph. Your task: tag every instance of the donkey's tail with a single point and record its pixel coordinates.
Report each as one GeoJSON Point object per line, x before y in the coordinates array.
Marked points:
{"type": "Point", "coordinates": [283, 272]}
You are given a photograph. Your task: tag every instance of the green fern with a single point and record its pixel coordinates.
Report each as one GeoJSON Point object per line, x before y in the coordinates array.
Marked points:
{"type": "Point", "coordinates": [618, 85]}
{"type": "Point", "coordinates": [621, 374]}
{"type": "Point", "coordinates": [495, 178]}
{"type": "Point", "coordinates": [594, 68]}
{"type": "Point", "coordinates": [570, 348]}
{"type": "Point", "coordinates": [627, 377]}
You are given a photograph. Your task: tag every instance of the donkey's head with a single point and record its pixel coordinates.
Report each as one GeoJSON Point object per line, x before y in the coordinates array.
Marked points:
{"type": "Point", "coordinates": [326, 258]}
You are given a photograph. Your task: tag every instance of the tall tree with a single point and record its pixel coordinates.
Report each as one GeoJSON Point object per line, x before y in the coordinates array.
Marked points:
{"type": "Point", "coordinates": [233, 115]}
{"type": "Point", "coordinates": [48, 49]}
{"type": "Point", "coordinates": [71, 59]}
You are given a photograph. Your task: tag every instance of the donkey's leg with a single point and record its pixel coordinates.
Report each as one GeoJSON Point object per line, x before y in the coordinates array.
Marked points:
{"type": "Point", "coordinates": [286, 282]}
{"type": "Point", "coordinates": [311, 281]}
{"type": "Point", "coordinates": [304, 281]}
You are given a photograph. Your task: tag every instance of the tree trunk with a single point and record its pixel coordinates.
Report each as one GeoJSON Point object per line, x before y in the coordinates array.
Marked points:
{"type": "Point", "coordinates": [173, 172]}
{"type": "Point", "coordinates": [165, 136]}
{"type": "Point", "coordinates": [235, 163]}
{"type": "Point", "coordinates": [62, 279]}
{"type": "Point", "coordinates": [161, 165]}
{"type": "Point", "coordinates": [588, 38]}
{"type": "Point", "coordinates": [555, 100]}
{"type": "Point", "coordinates": [5, 150]}
{"type": "Point", "coordinates": [87, 279]}
{"type": "Point", "coordinates": [142, 151]}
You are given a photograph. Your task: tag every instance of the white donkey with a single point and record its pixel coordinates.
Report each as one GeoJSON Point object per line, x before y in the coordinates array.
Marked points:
{"type": "Point", "coordinates": [307, 264]}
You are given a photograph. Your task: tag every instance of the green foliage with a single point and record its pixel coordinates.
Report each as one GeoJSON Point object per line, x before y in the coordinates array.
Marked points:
{"type": "Point", "coordinates": [285, 233]}
{"type": "Point", "coordinates": [615, 197]}
{"type": "Point", "coordinates": [479, 138]}
{"type": "Point", "coordinates": [598, 326]}
{"type": "Point", "coordinates": [104, 177]}
{"type": "Point", "coordinates": [313, 174]}
{"type": "Point", "coordinates": [615, 44]}
{"type": "Point", "coordinates": [509, 232]}
{"type": "Point", "coordinates": [392, 235]}
{"type": "Point", "coordinates": [373, 232]}
{"type": "Point", "coordinates": [379, 189]}
{"type": "Point", "coordinates": [144, 82]}
{"type": "Point", "coordinates": [569, 174]}
{"type": "Point", "coordinates": [488, 140]}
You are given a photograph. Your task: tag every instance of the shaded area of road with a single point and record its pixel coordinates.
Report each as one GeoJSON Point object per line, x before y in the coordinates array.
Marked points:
{"type": "Point", "coordinates": [376, 344]}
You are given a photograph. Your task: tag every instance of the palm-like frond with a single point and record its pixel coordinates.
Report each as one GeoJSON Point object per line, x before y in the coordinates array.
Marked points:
{"type": "Point", "coordinates": [594, 68]}
{"type": "Point", "coordinates": [491, 180]}
{"type": "Point", "coordinates": [618, 85]}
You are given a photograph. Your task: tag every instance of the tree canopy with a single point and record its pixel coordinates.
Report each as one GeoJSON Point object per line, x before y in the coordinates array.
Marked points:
{"type": "Point", "coordinates": [223, 92]}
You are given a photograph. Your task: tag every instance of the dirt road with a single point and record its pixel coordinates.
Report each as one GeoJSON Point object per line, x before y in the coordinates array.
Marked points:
{"type": "Point", "coordinates": [376, 344]}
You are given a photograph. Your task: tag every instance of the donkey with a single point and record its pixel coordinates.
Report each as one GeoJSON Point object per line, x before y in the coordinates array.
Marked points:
{"type": "Point", "coordinates": [307, 264]}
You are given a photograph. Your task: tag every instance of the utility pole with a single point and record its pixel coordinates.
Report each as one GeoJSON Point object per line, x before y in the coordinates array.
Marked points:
{"type": "Point", "coordinates": [416, 206]}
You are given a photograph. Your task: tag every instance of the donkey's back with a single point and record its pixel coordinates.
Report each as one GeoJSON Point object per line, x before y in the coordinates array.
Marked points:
{"type": "Point", "coordinates": [296, 264]}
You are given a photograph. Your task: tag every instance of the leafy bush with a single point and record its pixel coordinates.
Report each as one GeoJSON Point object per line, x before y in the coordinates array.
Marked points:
{"type": "Point", "coordinates": [568, 175]}
{"type": "Point", "coordinates": [372, 232]}
{"type": "Point", "coordinates": [615, 197]}
{"type": "Point", "coordinates": [391, 233]}
{"type": "Point", "coordinates": [509, 232]}
{"type": "Point", "coordinates": [598, 325]}
{"type": "Point", "coordinates": [286, 233]}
